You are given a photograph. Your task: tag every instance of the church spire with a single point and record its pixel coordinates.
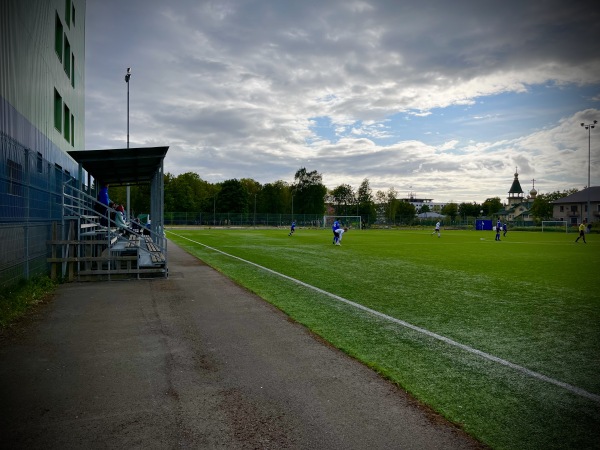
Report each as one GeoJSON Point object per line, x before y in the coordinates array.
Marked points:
{"type": "Point", "coordinates": [516, 186]}
{"type": "Point", "coordinates": [533, 192]}
{"type": "Point", "coordinates": [515, 195]}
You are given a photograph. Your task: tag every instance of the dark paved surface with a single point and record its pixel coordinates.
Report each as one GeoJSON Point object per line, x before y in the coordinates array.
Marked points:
{"type": "Point", "coordinates": [193, 361]}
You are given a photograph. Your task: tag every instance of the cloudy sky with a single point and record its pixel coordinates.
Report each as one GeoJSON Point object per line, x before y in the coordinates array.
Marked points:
{"type": "Point", "coordinates": [444, 99]}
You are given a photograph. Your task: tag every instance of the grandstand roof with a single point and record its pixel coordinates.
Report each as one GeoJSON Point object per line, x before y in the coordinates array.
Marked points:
{"type": "Point", "coordinates": [121, 166]}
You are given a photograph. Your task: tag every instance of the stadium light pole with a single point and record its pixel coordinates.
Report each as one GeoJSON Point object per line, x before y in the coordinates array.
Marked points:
{"type": "Point", "coordinates": [589, 127]}
{"type": "Point", "coordinates": [127, 77]}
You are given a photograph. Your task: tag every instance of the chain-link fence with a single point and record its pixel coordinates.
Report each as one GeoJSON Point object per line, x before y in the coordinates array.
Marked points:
{"type": "Point", "coordinates": [30, 202]}
{"type": "Point", "coordinates": [242, 219]}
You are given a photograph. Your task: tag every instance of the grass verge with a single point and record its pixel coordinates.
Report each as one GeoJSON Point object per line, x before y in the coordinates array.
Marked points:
{"type": "Point", "coordinates": [17, 300]}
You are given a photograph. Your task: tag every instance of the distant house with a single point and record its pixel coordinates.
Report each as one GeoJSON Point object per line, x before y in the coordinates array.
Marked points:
{"type": "Point", "coordinates": [430, 215]}
{"type": "Point", "coordinates": [574, 208]}
{"type": "Point", "coordinates": [518, 207]}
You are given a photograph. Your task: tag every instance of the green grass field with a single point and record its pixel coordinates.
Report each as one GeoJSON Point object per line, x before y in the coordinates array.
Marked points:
{"type": "Point", "coordinates": [532, 300]}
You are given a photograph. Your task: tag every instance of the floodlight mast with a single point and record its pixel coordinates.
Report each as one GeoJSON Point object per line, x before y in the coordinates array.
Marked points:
{"type": "Point", "coordinates": [127, 77]}
{"type": "Point", "coordinates": [589, 127]}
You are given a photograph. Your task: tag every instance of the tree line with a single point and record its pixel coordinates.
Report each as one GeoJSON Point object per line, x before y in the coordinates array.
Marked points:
{"type": "Point", "coordinates": [306, 195]}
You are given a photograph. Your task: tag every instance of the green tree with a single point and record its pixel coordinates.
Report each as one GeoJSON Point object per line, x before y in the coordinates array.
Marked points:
{"type": "Point", "coordinates": [404, 212]}
{"type": "Point", "coordinates": [186, 192]}
{"type": "Point", "coordinates": [469, 209]}
{"type": "Point", "coordinates": [343, 197]}
{"type": "Point", "coordinates": [558, 195]}
{"type": "Point", "coordinates": [424, 209]}
{"type": "Point", "coordinates": [366, 206]}
{"type": "Point", "coordinates": [451, 210]}
{"type": "Point", "coordinates": [382, 206]}
{"type": "Point", "coordinates": [392, 205]}
{"type": "Point", "coordinates": [309, 192]}
{"type": "Point", "coordinates": [232, 197]}
{"type": "Point", "coordinates": [276, 198]}
{"type": "Point", "coordinates": [253, 190]}
{"type": "Point", "coordinates": [541, 208]}
{"type": "Point", "coordinates": [491, 206]}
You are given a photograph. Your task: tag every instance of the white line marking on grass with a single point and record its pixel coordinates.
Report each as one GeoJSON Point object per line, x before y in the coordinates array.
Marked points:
{"type": "Point", "coordinates": [524, 370]}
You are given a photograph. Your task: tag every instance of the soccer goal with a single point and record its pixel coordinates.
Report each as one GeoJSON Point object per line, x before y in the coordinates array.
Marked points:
{"type": "Point", "coordinates": [555, 225]}
{"type": "Point", "coordinates": [354, 222]}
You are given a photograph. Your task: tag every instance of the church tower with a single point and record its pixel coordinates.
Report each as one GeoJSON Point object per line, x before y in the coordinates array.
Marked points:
{"type": "Point", "coordinates": [515, 195]}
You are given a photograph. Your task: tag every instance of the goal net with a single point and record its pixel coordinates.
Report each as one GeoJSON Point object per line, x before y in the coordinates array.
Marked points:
{"type": "Point", "coordinates": [354, 222]}
{"type": "Point", "coordinates": [555, 225]}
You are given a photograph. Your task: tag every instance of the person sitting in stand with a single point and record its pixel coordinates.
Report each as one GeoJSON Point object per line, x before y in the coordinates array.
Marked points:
{"type": "Point", "coordinates": [120, 222]}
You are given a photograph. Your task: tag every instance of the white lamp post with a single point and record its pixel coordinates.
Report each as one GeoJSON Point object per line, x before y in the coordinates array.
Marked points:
{"type": "Point", "coordinates": [589, 127]}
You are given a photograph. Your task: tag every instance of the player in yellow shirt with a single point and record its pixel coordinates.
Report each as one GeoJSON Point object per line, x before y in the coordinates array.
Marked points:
{"type": "Point", "coordinates": [581, 232]}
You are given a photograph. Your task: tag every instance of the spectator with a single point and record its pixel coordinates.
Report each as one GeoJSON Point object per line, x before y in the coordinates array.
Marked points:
{"type": "Point", "coordinates": [120, 220]}
{"type": "Point", "coordinates": [103, 202]}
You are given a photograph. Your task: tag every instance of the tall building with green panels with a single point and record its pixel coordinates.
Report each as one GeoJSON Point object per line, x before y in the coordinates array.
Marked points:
{"type": "Point", "coordinates": [42, 78]}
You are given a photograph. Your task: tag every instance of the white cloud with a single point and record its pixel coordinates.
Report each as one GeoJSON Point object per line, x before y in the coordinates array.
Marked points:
{"type": "Point", "coordinates": [232, 88]}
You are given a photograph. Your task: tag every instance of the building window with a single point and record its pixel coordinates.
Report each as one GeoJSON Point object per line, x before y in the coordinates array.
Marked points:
{"type": "Point", "coordinates": [68, 12]}
{"type": "Point", "coordinates": [73, 14]}
{"type": "Point", "coordinates": [67, 58]}
{"type": "Point", "coordinates": [72, 130]}
{"type": "Point", "coordinates": [67, 130]}
{"type": "Point", "coordinates": [573, 208]}
{"type": "Point", "coordinates": [57, 111]}
{"type": "Point", "coordinates": [562, 209]}
{"type": "Point", "coordinates": [73, 70]}
{"type": "Point", "coordinates": [40, 163]}
{"type": "Point", "coordinates": [15, 178]}
{"type": "Point", "coordinates": [58, 38]}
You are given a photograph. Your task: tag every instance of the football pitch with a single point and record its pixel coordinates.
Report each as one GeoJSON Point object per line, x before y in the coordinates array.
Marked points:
{"type": "Point", "coordinates": [501, 338]}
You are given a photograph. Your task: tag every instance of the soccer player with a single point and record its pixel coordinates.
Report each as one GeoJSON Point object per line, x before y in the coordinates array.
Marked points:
{"type": "Point", "coordinates": [292, 228]}
{"type": "Point", "coordinates": [437, 229]}
{"type": "Point", "coordinates": [504, 229]}
{"type": "Point", "coordinates": [337, 240]}
{"type": "Point", "coordinates": [498, 229]}
{"type": "Point", "coordinates": [581, 232]}
{"type": "Point", "coordinates": [335, 226]}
